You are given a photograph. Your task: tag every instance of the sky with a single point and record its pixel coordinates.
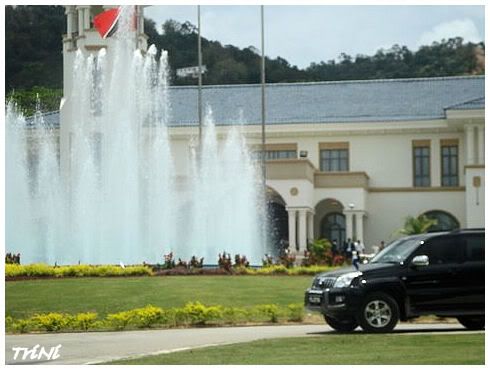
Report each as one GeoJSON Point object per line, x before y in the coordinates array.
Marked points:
{"type": "Point", "coordinates": [305, 34]}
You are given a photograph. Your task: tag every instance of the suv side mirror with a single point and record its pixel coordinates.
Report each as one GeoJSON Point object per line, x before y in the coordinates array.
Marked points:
{"type": "Point", "coordinates": [420, 261]}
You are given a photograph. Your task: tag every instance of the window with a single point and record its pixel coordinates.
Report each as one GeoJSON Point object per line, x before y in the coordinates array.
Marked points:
{"type": "Point", "coordinates": [421, 164]}
{"type": "Point", "coordinates": [445, 221]}
{"type": "Point", "coordinates": [275, 151]}
{"type": "Point", "coordinates": [279, 154]}
{"type": "Point", "coordinates": [275, 154]}
{"type": "Point", "coordinates": [443, 250]}
{"type": "Point", "coordinates": [449, 165]}
{"type": "Point", "coordinates": [334, 160]}
{"type": "Point", "coordinates": [333, 228]}
{"type": "Point", "coordinates": [475, 248]}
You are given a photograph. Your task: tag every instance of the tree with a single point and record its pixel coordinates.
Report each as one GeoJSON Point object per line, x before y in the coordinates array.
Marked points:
{"type": "Point", "coordinates": [33, 50]}
{"type": "Point", "coordinates": [33, 47]}
{"type": "Point", "coordinates": [417, 225]}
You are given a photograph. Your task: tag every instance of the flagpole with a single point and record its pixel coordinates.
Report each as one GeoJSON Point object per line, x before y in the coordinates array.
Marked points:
{"type": "Point", "coordinates": [199, 80]}
{"type": "Point", "coordinates": [262, 74]}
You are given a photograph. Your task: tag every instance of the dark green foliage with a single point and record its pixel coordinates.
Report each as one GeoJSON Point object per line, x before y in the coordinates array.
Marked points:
{"type": "Point", "coordinates": [33, 47]}
{"type": "Point", "coordinates": [46, 99]}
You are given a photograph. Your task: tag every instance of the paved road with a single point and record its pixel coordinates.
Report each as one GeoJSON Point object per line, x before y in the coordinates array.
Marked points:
{"type": "Point", "coordinates": [85, 348]}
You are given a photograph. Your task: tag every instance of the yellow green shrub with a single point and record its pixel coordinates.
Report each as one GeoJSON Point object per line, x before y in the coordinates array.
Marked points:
{"type": "Point", "coordinates": [235, 315]}
{"type": "Point", "coordinates": [192, 314]}
{"type": "Point", "coordinates": [295, 312]}
{"type": "Point", "coordinates": [85, 320]}
{"type": "Point", "coordinates": [52, 321]}
{"type": "Point", "coordinates": [198, 314]}
{"type": "Point", "coordinates": [22, 326]}
{"type": "Point", "coordinates": [39, 270]}
{"type": "Point", "coordinates": [119, 320]}
{"type": "Point", "coordinates": [270, 311]}
{"type": "Point", "coordinates": [147, 316]}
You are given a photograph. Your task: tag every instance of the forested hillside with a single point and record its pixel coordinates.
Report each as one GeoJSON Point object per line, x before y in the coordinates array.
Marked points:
{"type": "Point", "coordinates": [34, 57]}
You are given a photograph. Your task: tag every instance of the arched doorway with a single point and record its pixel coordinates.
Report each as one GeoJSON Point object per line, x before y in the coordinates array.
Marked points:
{"type": "Point", "coordinates": [333, 227]}
{"type": "Point", "coordinates": [445, 221]}
{"type": "Point", "coordinates": [278, 221]}
{"type": "Point", "coordinates": [330, 221]}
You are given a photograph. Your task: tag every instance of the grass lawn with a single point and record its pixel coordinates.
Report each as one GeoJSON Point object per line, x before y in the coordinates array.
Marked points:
{"type": "Point", "coordinates": [355, 349]}
{"type": "Point", "coordinates": [109, 295]}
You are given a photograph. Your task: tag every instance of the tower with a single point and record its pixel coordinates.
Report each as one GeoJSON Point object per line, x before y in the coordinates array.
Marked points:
{"type": "Point", "coordinates": [81, 35]}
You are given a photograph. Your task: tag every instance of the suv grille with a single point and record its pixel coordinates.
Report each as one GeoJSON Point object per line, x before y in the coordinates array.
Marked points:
{"type": "Point", "coordinates": [324, 282]}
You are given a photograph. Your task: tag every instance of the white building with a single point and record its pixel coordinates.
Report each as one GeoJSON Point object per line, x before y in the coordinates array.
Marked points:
{"type": "Point", "coordinates": [347, 159]}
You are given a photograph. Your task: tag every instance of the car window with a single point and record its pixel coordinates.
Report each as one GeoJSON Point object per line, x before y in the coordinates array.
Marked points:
{"type": "Point", "coordinates": [443, 250]}
{"type": "Point", "coordinates": [475, 248]}
{"type": "Point", "coordinates": [398, 250]}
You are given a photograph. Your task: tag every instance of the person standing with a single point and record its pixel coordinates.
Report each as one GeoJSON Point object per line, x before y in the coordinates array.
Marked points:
{"type": "Point", "coordinates": [348, 249]}
{"type": "Point", "coordinates": [355, 259]}
{"type": "Point", "coordinates": [360, 248]}
{"type": "Point", "coordinates": [335, 248]}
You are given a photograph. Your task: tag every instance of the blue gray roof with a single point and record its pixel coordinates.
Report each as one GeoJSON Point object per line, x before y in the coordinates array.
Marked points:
{"type": "Point", "coordinates": [51, 119]}
{"type": "Point", "coordinates": [329, 102]}
{"type": "Point", "coordinates": [478, 103]}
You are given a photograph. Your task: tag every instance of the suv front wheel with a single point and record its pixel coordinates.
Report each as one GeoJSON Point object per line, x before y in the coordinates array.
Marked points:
{"type": "Point", "coordinates": [379, 313]}
{"type": "Point", "coordinates": [472, 322]}
{"type": "Point", "coordinates": [343, 326]}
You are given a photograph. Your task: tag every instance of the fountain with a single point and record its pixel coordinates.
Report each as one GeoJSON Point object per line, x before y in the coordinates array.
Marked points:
{"type": "Point", "coordinates": [120, 199]}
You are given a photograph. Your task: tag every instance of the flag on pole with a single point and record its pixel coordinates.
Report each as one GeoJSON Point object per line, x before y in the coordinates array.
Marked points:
{"type": "Point", "coordinates": [106, 22]}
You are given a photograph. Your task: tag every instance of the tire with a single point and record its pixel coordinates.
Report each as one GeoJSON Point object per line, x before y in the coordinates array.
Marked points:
{"type": "Point", "coordinates": [379, 313]}
{"type": "Point", "coordinates": [472, 322]}
{"type": "Point", "coordinates": [343, 326]}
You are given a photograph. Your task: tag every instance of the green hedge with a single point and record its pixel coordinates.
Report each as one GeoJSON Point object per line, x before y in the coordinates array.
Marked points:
{"type": "Point", "coordinates": [283, 270]}
{"type": "Point", "coordinates": [41, 270]}
{"type": "Point", "coordinates": [192, 314]}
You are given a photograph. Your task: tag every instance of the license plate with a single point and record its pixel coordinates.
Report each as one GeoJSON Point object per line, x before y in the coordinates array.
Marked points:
{"type": "Point", "coordinates": [314, 299]}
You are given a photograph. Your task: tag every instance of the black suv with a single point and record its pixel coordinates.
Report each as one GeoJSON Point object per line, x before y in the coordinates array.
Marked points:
{"type": "Point", "coordinates": [439, 274]}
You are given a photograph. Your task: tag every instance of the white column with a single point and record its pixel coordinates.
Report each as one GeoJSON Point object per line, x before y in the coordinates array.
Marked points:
{"type": "Point", "coordinates": [360, 226]}
{"type": "Point", "coordinates": [302, 230]}
{"type": "Point", "coordinates": [142, 21]}
{"type": "Point", "coordinates": [470, 144]}
{"type": "Point", "coordinates": [481, 144]}
{"type": "Point", "coordinates": [86, 18]}
{"type": "Point", "coordinates": [80, 20]}
{"type": "Point", "coordinates": [292, 229]}
{"type": "Point", "coordinates": [310, 220]}
{"type": "Point", "coordinates": [348, 225]}
{"type": "Point", "coordinates": [69, 21]}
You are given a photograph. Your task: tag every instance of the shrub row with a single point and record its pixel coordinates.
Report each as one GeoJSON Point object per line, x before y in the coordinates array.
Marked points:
{"type": "Point", "coordinates": [192, 314]}
{"type": "Point", "coordinates": [43, 270]}
{"type": "Point", "coordinates": [283, 270]}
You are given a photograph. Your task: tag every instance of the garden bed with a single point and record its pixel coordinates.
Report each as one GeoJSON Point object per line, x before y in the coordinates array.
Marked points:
{"type": "Point", "coordinates": [15, 272]}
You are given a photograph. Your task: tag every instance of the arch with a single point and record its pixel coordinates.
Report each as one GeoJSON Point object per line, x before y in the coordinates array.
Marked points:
{"type": "Point", "coordinates": [324, 208]}
{"type": "Point", "coordinates": [330, 203]}
{"type": "Point", "coordinates": [445, 220]}
{"type": "Point", "coordinates": [273, 195]}
{"type": "Point", "coordinates": [332, 227]}
{"type": "Point", "coordinates": [278, 220]}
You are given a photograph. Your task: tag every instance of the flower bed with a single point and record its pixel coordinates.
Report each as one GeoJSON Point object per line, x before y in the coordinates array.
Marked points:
{"type": "Point", "coordinates": [21, 272]}
{"type": "Point", "coordinates": [43, 270]}
{"type": "Point", "coordinates": [191, 315]}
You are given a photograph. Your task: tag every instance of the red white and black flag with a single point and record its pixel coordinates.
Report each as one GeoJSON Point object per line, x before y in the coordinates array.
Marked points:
{"type": "Point", "coordinates": [106, 22]}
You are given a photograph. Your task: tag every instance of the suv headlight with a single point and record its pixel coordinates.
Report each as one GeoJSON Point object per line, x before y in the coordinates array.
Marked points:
{"type": "Point", "coordinates": [345, 280]}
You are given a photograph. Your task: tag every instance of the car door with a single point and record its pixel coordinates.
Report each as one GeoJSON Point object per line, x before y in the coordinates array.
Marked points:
{"type": "Point", "coordinates": [437, 288]}
{"type": "Point", "coordinates": [473, 272]}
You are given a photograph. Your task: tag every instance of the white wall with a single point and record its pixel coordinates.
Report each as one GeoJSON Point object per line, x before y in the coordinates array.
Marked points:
{"type": "Point", "coordinates": [387, 211]}
{"type": "Point", "coordinates": [475, 198]}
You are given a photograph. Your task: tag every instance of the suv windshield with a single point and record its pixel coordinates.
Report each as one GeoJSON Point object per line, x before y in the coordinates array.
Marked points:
{"type": "Point", "coordinates": [398, 251]}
